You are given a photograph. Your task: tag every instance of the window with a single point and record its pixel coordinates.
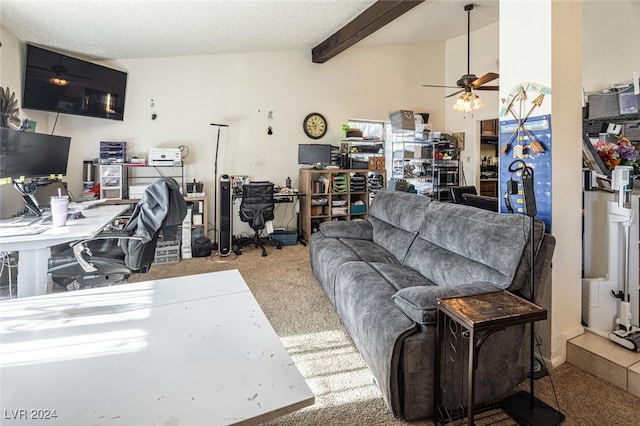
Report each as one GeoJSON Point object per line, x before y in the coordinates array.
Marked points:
{"type": "Point", "coordinates": [370, 129]}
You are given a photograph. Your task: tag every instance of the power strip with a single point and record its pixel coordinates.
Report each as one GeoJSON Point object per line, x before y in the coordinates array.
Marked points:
{"type": "Point", "coordinates": [529, 195]}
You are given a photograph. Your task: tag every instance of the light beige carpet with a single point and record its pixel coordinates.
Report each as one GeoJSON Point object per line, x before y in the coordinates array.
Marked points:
{"type": "Point", "coordinates": [294, 302]}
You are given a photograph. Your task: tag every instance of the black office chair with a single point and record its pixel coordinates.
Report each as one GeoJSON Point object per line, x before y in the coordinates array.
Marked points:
{"type": "Point", "coordinates": [457, 191]}
{"type": "Point", "coordinates": [111, 257]}
{"type": "Point", "coordinates": [256, 209]}
{"type": "Point", "coordinates": [481, 202]}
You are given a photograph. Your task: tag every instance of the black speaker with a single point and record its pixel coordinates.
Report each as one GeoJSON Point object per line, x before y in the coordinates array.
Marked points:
{"type": "Point", "coordinates": [224, 200]}
{"type": "Point", "coordinates": [201, 247]}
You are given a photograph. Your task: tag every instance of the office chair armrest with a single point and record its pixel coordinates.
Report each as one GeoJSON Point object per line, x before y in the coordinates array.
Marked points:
{"type": "Point", "coordinates": [80, 248]}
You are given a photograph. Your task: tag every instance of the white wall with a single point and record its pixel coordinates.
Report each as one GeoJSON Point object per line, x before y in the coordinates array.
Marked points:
{"type": "Point", "coordinates": [11, 76]}
{"type": "Point", "coordinates": [611, 42]}
{"type": "Point", "coordinates": [239, 90]}
{"type": "Point", "coordinates": [485, 44]}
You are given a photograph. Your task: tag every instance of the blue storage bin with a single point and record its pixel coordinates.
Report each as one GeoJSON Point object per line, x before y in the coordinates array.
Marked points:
{"type": "Point", "coordinates": [286, 238]}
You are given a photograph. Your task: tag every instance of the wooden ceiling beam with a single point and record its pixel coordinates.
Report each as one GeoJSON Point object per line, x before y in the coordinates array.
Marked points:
{"type": "Point", "coordinates": [375, 17]}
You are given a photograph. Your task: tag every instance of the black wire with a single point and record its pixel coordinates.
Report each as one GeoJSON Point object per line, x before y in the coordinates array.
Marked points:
{"type": "Point", "coordinates": [553, 387]}
{"type": "Point", "coordinates": [55, 123]}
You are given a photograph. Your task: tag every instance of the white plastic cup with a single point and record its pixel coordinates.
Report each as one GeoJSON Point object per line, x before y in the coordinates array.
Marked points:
{"type": "Point", "coordinates": [59, 210]}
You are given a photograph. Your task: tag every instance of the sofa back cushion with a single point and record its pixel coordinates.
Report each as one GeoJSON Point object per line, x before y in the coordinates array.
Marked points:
{"type": "Point", "coordinates": [459, 244]}
{"type": "Point", "coordinates": [396, 218]}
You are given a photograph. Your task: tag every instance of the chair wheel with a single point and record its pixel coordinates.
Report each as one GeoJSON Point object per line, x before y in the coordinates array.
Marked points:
{"type": "Point", "coordinates": [74, 285]}
{"type": "Point", "coordinates": [62, 281]}
{"type": "Point", "coordinates": [279, 247]}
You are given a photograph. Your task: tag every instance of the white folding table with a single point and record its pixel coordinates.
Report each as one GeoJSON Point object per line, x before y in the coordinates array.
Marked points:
{"type": "Point", "coordinates": [193, 350]}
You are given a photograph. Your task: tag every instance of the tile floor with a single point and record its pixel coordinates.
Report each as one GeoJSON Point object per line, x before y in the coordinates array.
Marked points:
{"type": "Point", "coordinates": [606, 360]}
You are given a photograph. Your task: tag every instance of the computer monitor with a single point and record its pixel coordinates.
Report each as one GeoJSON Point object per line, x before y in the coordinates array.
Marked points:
{"type": "Point", "coordinates": [318, 155]}
{"type": "Point", "coordinates": [32, 155]}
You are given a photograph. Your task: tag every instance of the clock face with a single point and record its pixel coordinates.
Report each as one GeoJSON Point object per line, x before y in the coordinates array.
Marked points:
{"type": "Point", "coordinates": [314, 125]}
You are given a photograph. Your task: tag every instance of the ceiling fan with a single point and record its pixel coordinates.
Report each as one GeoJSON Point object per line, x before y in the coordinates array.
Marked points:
{"type": "Point", "coordinates": [469, 82]}
{"type": "Point", "coordinates": [59, 73]}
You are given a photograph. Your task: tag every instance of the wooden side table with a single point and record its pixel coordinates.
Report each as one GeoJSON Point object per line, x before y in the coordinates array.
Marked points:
{"type": "Point", "coordinates": [480, 315]}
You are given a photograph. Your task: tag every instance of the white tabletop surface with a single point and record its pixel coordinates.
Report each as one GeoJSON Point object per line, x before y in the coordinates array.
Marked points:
{"type": "Point", "coordinates": [95, 219]}
{"type": "Point", "coordinates": [194, 350]}
{"type": "Point", "coordinates": [34, 250]}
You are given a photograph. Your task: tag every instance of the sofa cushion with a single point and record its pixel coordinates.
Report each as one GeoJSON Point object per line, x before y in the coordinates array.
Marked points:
{"type": "Point", "coordinates": [331, 253]}
{"type": "Point", "coordinates": [356, 229]}
{"type": "Point", "coordinates": [459, 244]}
{"type": "Point", "coordinates": [420, 303]}
{"type": "Point", "coordinates": [375, 325]}
{"type": "Point", "coordinates": [396, 218]}
{"type": "Point", "coordinates": [400, 276]}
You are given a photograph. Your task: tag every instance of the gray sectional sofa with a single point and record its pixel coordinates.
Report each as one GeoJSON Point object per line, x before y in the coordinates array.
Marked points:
{"type": "Point", "coordinates": [384, 274]}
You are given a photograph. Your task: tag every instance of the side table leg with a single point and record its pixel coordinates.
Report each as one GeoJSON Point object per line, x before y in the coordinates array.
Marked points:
{"type": "Point", "coordinates": [472, 378]}
{"type": "Point", "coordinates": [437, 391]}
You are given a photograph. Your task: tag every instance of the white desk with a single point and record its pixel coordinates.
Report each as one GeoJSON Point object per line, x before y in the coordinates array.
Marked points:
{"type": "Point", "coordinates": [194, 350]}
{"type": "Point", "coordinates": [34, 250]}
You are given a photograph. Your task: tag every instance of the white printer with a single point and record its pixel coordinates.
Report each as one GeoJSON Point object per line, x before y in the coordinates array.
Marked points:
{"type": "Point", "coordinates": [164, 157]}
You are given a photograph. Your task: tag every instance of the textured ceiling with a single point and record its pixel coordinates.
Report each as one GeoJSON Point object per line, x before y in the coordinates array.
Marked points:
{"type": "Point", "coordinates": [121, 29]}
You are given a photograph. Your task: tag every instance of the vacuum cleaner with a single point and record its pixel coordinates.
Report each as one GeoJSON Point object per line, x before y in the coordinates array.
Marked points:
{"type": "Point", "coordinates": [620, 213]}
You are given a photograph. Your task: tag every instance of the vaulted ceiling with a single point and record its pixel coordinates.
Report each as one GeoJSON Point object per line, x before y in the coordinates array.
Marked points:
{"type": "Point", "coordinates": [121, 29]}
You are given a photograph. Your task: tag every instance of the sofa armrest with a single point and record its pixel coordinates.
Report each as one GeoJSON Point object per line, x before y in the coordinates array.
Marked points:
{"type": "Point", "coordinates": [419, 302]}
{"type": "Point", "coordinates": [356, 229]}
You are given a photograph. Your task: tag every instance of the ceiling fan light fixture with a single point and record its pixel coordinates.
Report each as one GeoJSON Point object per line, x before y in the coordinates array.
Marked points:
{"type": "Point", "coordinates": [467, 102]}
{"type": "Point", "coordinates": [477, 102]}
{"type": "Point", "coordinates": [58, 81]}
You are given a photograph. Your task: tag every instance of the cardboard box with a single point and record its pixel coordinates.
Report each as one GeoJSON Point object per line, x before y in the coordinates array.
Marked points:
{"type": "Point", "coordinates": [603, 105]}
{"type": "Point", "coordinates": [629, 102]}
{"type": "Point", "coordinates": [376, 163]}
{"type": "Point", "coordinates": [632, 131]}
{"type": "Point", "coordinates": [402, 120]}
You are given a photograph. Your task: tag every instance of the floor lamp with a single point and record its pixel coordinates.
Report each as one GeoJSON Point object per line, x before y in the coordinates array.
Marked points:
{"type": "Point", "coordinates": [215, 183]}
{"type": "Point", "coordinates": [523, 406]}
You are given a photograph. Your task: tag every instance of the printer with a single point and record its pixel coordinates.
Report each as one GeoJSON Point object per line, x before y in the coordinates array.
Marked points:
{"type": "Point", "coordinates": [164, 157]}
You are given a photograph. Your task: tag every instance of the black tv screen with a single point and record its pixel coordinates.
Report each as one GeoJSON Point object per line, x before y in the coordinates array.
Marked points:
{"type": "Point", "coordinates": [59, 83]}
{"type": "Point", "coordinates": [30, 154]}
{"type": "Point", "coordinates": [316, 154]}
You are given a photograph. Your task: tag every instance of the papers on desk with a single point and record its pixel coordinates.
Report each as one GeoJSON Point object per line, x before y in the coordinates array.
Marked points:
{"type": "Point", "coordinates": [20, 221]}
{"type": "Point", "coordinates": [15, 231]}
{"type": "Point", "coordinates": [85, 204]}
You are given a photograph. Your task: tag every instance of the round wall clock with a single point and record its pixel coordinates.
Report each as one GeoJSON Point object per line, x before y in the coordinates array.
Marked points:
{"type": "Point", "coordinates": [314, 125]}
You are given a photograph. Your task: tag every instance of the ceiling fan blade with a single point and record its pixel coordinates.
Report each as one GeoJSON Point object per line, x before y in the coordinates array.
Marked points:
{"type": "Point", "coordinates": [40, 68]}
{"type": "Point", "coordinates": [454, 93]}
{"type": "Point", "coordinates": [490, 76]}
{"type": "Point", "coordinates": [494, 88]}
{"type": "Point", "coordinates": [58, 71]}
{"type": "Point", "coordinates": [77, 76]}
{"type": "Point", "coordinates": [439, 86]}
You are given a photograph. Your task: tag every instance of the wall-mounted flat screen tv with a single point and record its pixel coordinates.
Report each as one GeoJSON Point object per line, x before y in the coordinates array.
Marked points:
{"type": "Point", "coordinates": [59, 83]}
